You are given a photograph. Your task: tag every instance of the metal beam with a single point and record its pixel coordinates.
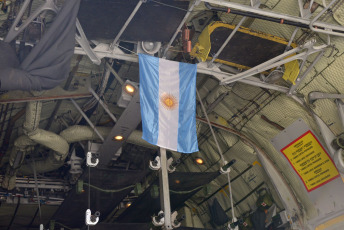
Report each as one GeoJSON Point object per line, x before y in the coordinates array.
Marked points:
{"type": "Point", "coordinates": [137, 7]}
{"type": "Point", "coordinates": [228, 39]}
{"type": "Point", "coordinates": [57, 93]}
{"type": "Point", "coordinates": [87, 119]}
{"type": "Point", "coordinates": [105, 107]}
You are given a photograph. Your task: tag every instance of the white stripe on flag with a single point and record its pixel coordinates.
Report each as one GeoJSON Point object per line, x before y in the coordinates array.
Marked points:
{"type": "Point", "coordinates": [168, 117]}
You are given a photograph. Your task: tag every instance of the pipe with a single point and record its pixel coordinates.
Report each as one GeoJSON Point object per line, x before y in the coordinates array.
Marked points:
{"type": "Point", "coordinates": [78, 133]}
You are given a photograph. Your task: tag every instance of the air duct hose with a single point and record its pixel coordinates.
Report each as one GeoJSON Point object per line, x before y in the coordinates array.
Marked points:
{"type": "Point", "coordinates": [59, 144]}
{"type": "Point", "coordinates": [74, 134]}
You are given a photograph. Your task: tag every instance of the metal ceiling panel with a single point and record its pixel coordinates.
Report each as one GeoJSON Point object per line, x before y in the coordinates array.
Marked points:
{"type": "Point", "coordinates": [103, 19]}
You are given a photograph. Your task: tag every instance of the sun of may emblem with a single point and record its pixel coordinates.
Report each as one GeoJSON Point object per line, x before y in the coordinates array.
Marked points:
{"type": "Point", "coordinates": [168, 101]}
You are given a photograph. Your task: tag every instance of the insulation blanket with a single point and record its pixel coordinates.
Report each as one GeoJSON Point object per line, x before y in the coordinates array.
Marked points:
{"type": "Point", "coordinates": [48, 64]}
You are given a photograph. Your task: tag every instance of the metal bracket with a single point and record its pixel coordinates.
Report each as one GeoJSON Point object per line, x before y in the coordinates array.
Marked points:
{"type": "Point", "coordinates": [156, 164]}
{"type": "Point", "coordinates": [15, 30]}
{"type": "Point", "coordinates": [89, 160]}
{"type": "Point", "coordinates": [172, 164]}
{"type": "Point", "coordinates": [91, 220]}
{"type": "Point", "coordinates": [233, 221]}
{"type": "Point", "coordinates": [159, 220]}
{"type": "Point", "coordinates": [226, 168]}
{"type": "Point", "coordinates": [175, 222]}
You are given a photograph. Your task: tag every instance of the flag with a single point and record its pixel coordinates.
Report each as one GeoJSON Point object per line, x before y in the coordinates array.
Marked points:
{"type": "Point", "coordinates": [168, 103]}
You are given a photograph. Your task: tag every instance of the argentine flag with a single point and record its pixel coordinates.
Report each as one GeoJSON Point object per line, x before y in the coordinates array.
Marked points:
{"type": "Point", "coordinates": [168, 103]}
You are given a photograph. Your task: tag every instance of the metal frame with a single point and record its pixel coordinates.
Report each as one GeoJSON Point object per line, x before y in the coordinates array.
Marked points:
{"type": "Point", "coordinates": [327, 28]}
{"type": "Point", "coordinates": [279, 60]}
{"type": "Point", "coordinates": [227, 40]}
{"type": "Point", "coordinates": [255, 4]}
{"type": "Point", "coordinates": [110, 51]}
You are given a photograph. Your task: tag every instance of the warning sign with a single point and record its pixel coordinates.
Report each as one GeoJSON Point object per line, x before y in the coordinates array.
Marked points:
{"type": "Point", "coordinates": [310, 161]}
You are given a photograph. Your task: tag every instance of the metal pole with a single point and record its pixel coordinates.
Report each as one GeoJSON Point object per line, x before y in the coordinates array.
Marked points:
{"type": "Point", "coordinates": [196, 2]}
{"type": "Point", "coordinates": [105, 107]}
{"type": "Point", "coordinates": [137, 7]}
{"type": "Point", "coordinates": [165, 190]}
{"type": "Point", "coordinates": [228, 39]}
{"type": "Point", "coordinates": [119, 79]}
{"type": "Point", "coordinates": [87, 120]}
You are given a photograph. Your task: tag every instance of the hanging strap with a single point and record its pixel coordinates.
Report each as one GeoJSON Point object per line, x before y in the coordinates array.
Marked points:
{"type": "Point", "coordinates": [220, 152]}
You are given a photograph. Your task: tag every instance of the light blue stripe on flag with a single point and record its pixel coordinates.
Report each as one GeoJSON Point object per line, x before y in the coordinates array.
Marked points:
{"type": "Point", "coordinates": [168, 103]}
{"type": "Point", "coordinates": [187, 137]}
{"type": "Point", "coordinates": [149, 97]}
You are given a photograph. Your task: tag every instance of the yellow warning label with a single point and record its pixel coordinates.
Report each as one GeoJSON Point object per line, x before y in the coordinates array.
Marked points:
{"type": "Point", "coordinates": [310, 161]}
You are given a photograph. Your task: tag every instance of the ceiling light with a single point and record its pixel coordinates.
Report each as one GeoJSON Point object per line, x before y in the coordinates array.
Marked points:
{"type": "Point", "coordinates": [130, 89]}
{"type": "Point", "coordinates": [118, 138]}
{"type": "Point", "coordinates": [199, 161]}
{"type": "Point", "coordinates": [177, 181]}
{"type": "Point", "coordinates": [127, 205]}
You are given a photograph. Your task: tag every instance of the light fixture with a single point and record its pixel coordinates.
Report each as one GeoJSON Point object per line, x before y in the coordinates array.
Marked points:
{"type": "Point", "coordinates": [118, 138]}
{"type": "Point", "coordinates": [177, 181]}
{"type": "Point", "coordinates": [199, 161]}
{"type": "Point", "coordinates": [129, 88]}
{"type": "Point", "coordinates": [127, 205]}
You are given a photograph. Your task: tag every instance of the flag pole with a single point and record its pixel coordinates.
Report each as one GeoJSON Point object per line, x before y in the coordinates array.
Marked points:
{"type": "Point", "coordinates": [165, 190]}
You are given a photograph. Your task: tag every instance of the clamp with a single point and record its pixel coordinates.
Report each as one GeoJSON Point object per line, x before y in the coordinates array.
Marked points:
{"type": "Point", "coordinates": [156, 164]}
{"type": "Point", "coordinates": [91, 160]}
{"type": "Point", "coordinates": [172, 164]}
{"type": "Point", "coordinates": [233, 225]}
{"type": "Point", "coordinates": [226, 168]}
{"type": "Point", "coordinates": [176, 222]}
{"type": "Point", "coordinates": [91, 219]}
{"type": "Point", "coordinates": [159, 220]}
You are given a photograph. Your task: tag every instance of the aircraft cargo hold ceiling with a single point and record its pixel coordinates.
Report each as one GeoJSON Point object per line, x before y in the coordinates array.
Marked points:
{"type": "Point", "coordinates": [268, 114]}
